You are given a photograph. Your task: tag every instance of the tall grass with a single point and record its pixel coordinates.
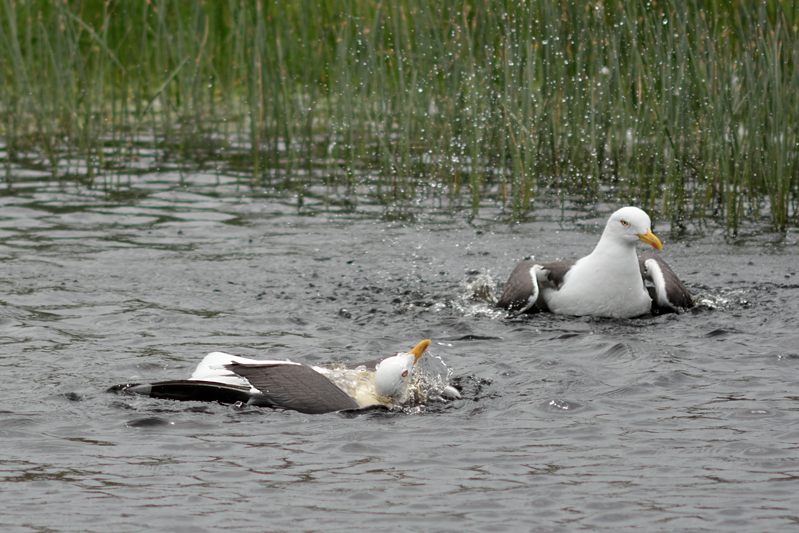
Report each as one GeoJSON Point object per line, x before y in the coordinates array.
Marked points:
{"type": "Point", "coordinates": [688, 107]}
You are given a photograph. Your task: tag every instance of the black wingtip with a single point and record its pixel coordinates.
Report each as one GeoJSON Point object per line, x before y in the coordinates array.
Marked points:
{"type": "Point", "coordinates": [187, 390]}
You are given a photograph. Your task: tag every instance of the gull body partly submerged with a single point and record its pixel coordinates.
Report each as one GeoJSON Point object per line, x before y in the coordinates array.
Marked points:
{"type": "Point", "coordinates": [284, 384]}
{"type": "Point", "coordinates": [611, 281]}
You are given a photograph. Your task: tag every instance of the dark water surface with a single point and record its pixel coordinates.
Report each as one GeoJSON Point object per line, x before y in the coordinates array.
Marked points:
{"type": "Point", "coordinates": [680, 422]}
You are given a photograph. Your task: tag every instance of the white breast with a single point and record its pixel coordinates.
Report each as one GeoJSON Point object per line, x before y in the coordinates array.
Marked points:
{"type": "Point", "coordinates": [601, 286]}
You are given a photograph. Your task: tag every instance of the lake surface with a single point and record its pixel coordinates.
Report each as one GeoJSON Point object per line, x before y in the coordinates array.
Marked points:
{"type": "Point", "coordinates": [679, 422]}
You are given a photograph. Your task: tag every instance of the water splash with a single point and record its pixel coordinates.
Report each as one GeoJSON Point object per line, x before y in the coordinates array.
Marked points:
{"type": "Point", "coordinates": [353, 381]}
{"type": "Point", "coordinates": [431, 383]}
{"type": "Point", "coordinates": [476, 297]}
{"type": "Point", "coordinates": [724, 299]}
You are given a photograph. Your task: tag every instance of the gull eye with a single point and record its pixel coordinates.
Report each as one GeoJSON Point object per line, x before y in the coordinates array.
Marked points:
{"type": "Point", "coordinates": [624, 223]}
{"type": "Point", "coordinates": [405, 373]}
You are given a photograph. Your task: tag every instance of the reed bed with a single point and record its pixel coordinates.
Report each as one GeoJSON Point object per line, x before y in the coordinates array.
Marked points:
{"type": "Point", "coordinates": [690, 108]}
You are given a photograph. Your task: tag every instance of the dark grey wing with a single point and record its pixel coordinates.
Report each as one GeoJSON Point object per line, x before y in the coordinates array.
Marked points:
{"type": "Point", "coordinates": [296, 387]}
{"type": "Point", "coordinates": [556, 271]}
{"type": "Point", "coordinates": [187, 390]}
{"type": "Point", "coordinates": [667, 291]}
{"type": "Point", "coordinates": [521, 290]}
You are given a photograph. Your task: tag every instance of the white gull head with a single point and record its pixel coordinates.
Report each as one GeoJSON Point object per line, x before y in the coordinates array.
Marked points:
{"type": "Point", "coordinates": [630, 225]}
{"type": "Point", "coordinates": [393, 374]}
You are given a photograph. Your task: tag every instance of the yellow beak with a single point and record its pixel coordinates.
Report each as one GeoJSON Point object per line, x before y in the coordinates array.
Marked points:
{"type": "Point", "coordinates": [419, 349]}
{"type": "Point", "coordinates": [651, 239]}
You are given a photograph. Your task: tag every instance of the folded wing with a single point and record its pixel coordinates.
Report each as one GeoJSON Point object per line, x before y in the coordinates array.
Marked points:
{"type": "Point", "coordinates": [666, 290]}
{"type": "Point", "coordinates": [522, 292]}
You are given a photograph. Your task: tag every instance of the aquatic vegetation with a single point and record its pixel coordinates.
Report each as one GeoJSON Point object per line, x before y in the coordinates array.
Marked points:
{"type": "Point", "coordinates": [687, 108]}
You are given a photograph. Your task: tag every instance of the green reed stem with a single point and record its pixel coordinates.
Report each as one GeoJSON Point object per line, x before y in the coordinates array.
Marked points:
{"type": "Point", "coordinates": [690, 108]}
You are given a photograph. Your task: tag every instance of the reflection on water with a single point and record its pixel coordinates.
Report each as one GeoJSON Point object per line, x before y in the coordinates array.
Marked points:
{"type": "Point", "coordinates": [669, 423]}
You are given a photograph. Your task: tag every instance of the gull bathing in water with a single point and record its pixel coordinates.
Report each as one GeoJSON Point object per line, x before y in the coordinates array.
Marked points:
{"type": "Point", "coordinates": [284, 384]}
{"type": "Point", "coordinates": [611, 281]}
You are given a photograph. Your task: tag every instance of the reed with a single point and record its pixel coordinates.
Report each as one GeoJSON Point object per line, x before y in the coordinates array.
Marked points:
{"type": "Point", "coordinates": [687, 107]}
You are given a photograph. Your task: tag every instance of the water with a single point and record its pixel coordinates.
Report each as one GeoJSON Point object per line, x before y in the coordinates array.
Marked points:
{"type": "Point", "coordinates": [680, 422]}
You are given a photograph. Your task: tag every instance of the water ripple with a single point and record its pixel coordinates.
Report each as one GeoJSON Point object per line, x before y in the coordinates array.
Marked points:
{"type": "Point", "coordinates": [677, 422]}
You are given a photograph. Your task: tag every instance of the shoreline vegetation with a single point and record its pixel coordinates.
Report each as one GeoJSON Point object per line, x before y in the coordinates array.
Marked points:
{"type": "Point", "coordinates": [689, 108]}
